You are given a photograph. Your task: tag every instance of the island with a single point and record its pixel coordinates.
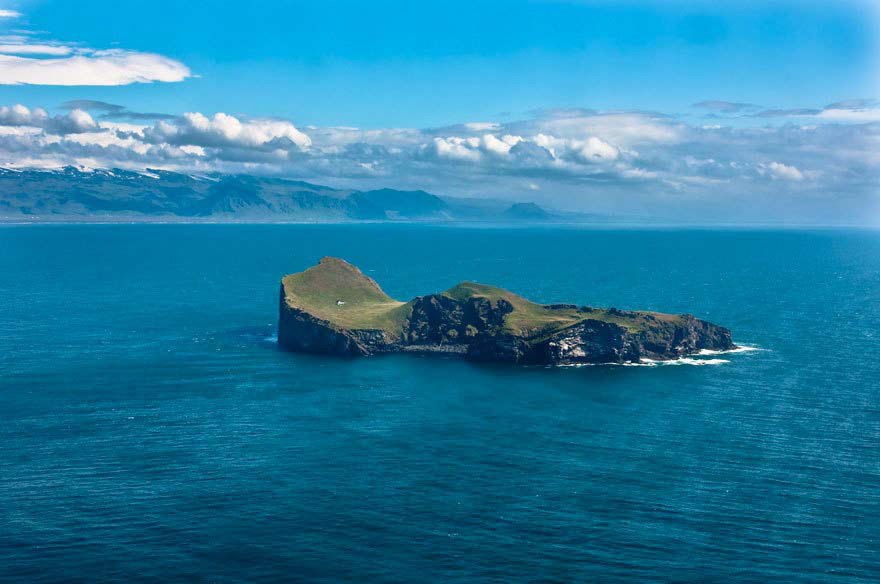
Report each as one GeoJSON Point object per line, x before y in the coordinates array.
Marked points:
{"type": "Point", "coordinates": [333, 308]}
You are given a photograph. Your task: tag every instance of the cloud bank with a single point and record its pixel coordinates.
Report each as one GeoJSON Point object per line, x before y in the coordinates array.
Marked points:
{"type": "Point", "coordinates": [629, 163]}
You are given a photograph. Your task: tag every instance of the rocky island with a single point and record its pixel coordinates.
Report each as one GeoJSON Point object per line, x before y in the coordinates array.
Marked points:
{"type": "Point", "coordinates": [333, 308]}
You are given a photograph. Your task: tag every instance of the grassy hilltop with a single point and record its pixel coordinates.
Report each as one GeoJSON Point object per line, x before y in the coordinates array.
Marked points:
{"type": "Point", "coordinates": [366, 307]}
{"type": "Point", "coordinates": [318, 289]}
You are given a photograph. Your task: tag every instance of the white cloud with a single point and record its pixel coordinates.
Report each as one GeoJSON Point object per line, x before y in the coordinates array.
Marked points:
{"type": "Point", "coordinates": [35, 49]}
{"type": "Point", "coordinates": [851, 115]}
{"type": "Point", "coordinates": [74, 121]}
{"type": "Point", "coordinates": [456, 148]}
{"type": "Point", "coordinates": [587, 150]}
{"type": "Point", "coordinates": [194, 150]}
{"type": "Point", "coordinates": [472, 148]}
{"type": "Point", "coordinates": [27, 60]}
{"type": "Point", "coordinates": [784, 171]}
{"type": "Point", "coordinates": [596, 149]}
{"type": "Point", "coordinates": [500, 146]}
{"type": "Point", "coordinates": [848, 110]}
{"type": "Point", "coordinates": [81, 120]}
{"type": "Point", "coordinates": [110, 67]}
{"type": "Point", "coordinates": [481, 126]}
{"type": "Point", "coordinates": [621, 129]}
{"type": "Point", "coordinates": [640, 173]}
{"type": "Point", "coordinates": [226, 130]}
{"type": "Point", "coordinates": [19, 115]}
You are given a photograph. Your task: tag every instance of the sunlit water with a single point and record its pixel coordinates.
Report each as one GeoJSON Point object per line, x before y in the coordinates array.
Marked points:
{"type": "Point", "coordinates": [150, 429]}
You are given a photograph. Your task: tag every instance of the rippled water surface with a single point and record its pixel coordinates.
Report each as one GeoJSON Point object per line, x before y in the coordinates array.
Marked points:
{"type": "Point", "coordinates": [152, 431]}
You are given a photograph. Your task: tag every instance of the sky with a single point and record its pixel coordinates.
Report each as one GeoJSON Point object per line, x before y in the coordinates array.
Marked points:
{"type": "Point", "coordinates": [740, 112]}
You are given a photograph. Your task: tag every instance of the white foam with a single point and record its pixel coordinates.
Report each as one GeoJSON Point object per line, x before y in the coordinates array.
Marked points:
{"type": "Point", "coordinates": [739, 349]}
{"type": "Point", "coordinates": [610, 363]}
{"type": "Point", "coordinates": [692, 361]}
{"type": "Point", "coordinates": [682, 361]}
{"type": "Point", "coordinates": [651, 363]}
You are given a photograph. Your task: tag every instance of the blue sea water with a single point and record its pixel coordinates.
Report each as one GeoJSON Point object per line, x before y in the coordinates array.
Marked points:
{"type": "Point", "coordinates": [151, 430]}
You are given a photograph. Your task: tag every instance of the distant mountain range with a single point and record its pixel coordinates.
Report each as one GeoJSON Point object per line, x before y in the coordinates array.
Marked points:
{"type": "Point", "coordinates": [71, 194]}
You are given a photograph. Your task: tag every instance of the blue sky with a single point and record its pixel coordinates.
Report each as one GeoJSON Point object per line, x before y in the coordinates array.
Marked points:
{"type": "Point", "coordinates": [437, 63]}
{"type": "Point", "coordinates": [598, 100]}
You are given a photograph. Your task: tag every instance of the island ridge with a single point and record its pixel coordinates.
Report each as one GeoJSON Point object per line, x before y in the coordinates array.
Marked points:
{"type": "Point", "coordinates": [333, 308]}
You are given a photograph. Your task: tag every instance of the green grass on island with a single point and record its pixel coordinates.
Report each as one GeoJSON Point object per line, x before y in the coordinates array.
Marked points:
{"type": "Point", "coordinates": [340, 293]}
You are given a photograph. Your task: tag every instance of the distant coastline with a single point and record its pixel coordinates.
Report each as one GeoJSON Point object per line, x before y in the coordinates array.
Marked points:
{"type": "Point", "coordinates": [122, 196]}
{"type": "Point", "coordinates": [72, 196]}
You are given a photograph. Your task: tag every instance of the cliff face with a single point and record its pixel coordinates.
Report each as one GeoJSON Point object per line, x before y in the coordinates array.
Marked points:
{"type": "Point", "coordinates": [300, 331]}
{"type": "Point", "coordinates": [476, 321]}
{"type": "Point", "coordinates": [593, 341]}
{"type": "Point", "coordinates": [438, 319]}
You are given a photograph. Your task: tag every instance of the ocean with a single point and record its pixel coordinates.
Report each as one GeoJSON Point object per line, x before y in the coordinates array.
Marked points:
{"type": "Point", "coordinates": [152, 431]}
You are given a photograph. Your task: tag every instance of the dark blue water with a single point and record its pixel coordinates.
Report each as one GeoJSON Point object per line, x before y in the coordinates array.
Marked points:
{"type": "Point", "coordinates": [151, 431]}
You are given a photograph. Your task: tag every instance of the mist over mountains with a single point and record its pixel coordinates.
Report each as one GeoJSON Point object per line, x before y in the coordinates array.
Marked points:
{"type": "Point", "coordinates": [72, 194]}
